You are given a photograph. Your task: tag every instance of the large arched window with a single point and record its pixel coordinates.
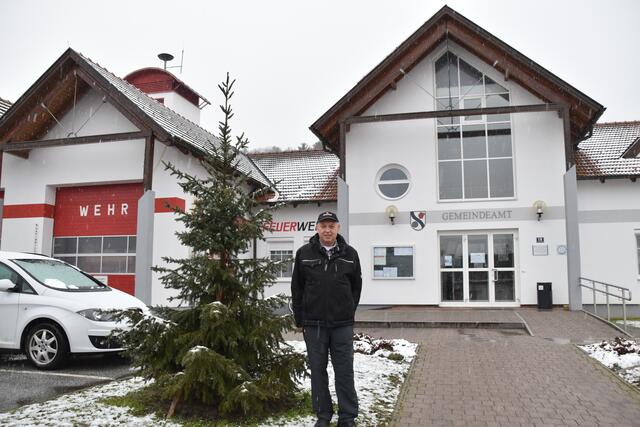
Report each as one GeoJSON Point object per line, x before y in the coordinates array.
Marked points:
{"type": "Point", "coordinates": [475, 156]}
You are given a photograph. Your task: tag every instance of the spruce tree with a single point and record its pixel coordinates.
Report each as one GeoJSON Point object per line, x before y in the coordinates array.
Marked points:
{"type": "Point", "coordinates": [225, 346]}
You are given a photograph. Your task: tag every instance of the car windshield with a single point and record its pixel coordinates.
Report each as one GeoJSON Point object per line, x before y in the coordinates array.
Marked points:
{"type": "Point", "coordinates": [58, 275]}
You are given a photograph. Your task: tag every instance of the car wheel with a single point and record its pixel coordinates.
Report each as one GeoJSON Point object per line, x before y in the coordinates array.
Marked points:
{"type": "Point", "coordinates": [46, 346]}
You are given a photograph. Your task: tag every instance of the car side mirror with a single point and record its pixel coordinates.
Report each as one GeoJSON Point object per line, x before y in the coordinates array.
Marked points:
{"type": "Point", "coordinates": [6, 285]}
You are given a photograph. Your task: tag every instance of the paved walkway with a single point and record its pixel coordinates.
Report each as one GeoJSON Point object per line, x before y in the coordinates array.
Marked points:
{"type": "Point", "coordinates": [484, 377]}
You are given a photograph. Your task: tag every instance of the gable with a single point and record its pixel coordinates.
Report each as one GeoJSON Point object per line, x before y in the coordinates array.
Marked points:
{"type": "Point", "coordinates": [92, 114]}
{"type": "Point", "coordinates": [423, 89]}
{"type": "Point", "coordinates": [449, 26]}
{"type": "Point", "coordinates": [69, 79]}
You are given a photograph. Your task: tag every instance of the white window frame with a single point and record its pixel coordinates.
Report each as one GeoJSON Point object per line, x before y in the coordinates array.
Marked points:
{"type": "Point", "coordinates": [398, 181]}
{"type": "Point", "coordinates": [480, 119]}
{"type": "Point", "coordinates": [277, 244]}
{"type": "Point", "coordinates": [102, 255]}
{"type": "Point", "coordinates": [462, 121]}
{"type": "Point", "coordinates": [465, 302]}
{"type": "Point", "coordinates": [394, 245]}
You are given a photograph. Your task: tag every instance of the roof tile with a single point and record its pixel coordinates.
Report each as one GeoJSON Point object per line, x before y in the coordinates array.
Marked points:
{"type": "Point", "coordinates": [4, 106]}
{"type": "Point", "coordinates": [601, 154]}
{"type": "Point", "coordinates": [301, 176]}
{"type": "Point", "coordinates": [172, 122]}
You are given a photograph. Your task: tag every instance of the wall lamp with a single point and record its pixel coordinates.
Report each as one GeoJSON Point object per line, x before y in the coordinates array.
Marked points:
{"type": "Point", "coordinates": [539, 206]}
{"type": "Point", "coordinates": [391, 212]}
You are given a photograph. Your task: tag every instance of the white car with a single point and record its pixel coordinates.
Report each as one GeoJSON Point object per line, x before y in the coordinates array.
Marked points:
{"type": "Point", "coordinates": [49, 309]}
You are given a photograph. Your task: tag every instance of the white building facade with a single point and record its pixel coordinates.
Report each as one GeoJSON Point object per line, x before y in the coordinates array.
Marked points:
{"type": "Point", "coordinates": [453, 173]}
{"type": "Point", "coordinates": [484, 201]}
{"type": "Point", "coordinates": [609, 207]}
{"type": "Point", "coordinates": [84, 177]}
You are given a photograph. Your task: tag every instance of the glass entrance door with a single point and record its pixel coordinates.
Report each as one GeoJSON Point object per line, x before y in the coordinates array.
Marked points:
{"type": "Point", "coordinates": [477, 267]}
{"type": "Point", "coordinates": [504, 267]}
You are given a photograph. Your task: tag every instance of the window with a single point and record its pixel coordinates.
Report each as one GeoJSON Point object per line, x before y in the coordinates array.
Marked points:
{"type": "Point", "coordinates": [475, 159]}
{"type": "Point", "coordinates": [21, 284]}
{"type": "Point", "coordinates": [282, 251]}
{"type": "Point", "coordinates": [393, 182]}
{"type": "Point", "coordinates": [393, 262]}
{"type": "Point", "coordinates": [55, 274]}
{"type": "Point", "coordinates": [98, 254]}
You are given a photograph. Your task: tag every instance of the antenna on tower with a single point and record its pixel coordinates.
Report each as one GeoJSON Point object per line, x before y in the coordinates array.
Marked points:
{"type": "Point", "coordinates": [166, 57]}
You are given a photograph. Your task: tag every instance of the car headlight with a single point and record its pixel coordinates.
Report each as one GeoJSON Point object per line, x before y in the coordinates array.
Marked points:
{"type": "Point", "coordinates": [97, 315]}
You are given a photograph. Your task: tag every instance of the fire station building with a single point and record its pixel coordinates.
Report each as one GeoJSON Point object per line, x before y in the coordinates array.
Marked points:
{"type": "Point", "coordinates": [464, 173]}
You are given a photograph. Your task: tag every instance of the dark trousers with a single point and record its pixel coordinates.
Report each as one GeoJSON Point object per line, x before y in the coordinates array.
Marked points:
{"type": "Point", "coordinates": [339, 343]}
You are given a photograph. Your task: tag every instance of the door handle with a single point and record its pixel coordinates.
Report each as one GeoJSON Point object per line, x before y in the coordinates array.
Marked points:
{"type": "Point", "coordinates": [495, 274]}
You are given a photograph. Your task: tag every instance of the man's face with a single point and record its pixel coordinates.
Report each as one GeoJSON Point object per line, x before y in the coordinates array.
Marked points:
{"type": "Point", "coordinates": [328, 232]}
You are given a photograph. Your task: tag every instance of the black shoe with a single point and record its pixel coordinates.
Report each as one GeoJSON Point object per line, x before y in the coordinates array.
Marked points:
{"type": "Point", "coordinates": [321, 423]}
{"type": "Point", "coordinates": [349, 423]}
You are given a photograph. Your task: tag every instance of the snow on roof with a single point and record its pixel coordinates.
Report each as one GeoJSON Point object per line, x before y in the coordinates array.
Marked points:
{"type": "Point", "coordinates": [4, 106]}
{"type": "Point", "coordinates": [301, 176]}
{"type": "Point", "coordinates": [172, 122]}
{"type": "Point", "coordinates": [604, 154]}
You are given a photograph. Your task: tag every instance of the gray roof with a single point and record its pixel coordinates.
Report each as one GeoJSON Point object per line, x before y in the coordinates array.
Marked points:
{"type": "Point", "coordinates": [301, 176]}
{"type": "Point", "coordinates": [603, 154]}
{"type": "Point", "coordinates": [173, 123]}
{"type": "Point", "coordinates": [4, 106]}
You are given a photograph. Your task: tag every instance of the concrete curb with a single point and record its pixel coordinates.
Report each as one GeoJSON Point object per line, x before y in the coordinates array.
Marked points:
{"type": "Point", "coordinates": [449, 325]}
{"type": "Point", "coordinates": [635, 391]}
{"type": "Point", "coordinates": [524, 322]}
{"type": "Point", "coordinates": [393, 420]}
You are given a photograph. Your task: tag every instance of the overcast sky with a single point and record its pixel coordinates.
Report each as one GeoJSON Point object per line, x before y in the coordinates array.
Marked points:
{"type": "Point", "coordinates": [294, 59]}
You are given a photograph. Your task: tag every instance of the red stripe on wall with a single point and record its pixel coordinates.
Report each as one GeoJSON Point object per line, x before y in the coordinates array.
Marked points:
{"type": "Point", "coordinates": [167, 204]}
{"type": "Point", "coordinates": [122, 282]}
{"type": "Point", "coordinates": [36, 210]}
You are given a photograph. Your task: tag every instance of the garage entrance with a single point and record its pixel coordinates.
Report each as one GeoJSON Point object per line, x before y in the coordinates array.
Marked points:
{"type": "Point", "coordinates": [95, 229]}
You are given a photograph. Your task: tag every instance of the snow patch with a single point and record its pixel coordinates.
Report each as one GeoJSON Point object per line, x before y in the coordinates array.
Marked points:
{"type": "Point", "coordinates": [378, 380]}
{"type": "Point", "coordinates": [82, 408]}
{"type": "Point", "coordinates": [620, 355]}
{"type": "Point", "coordinates": [632, 323]}
{"type": "Point", "coordinates": [198, 348]}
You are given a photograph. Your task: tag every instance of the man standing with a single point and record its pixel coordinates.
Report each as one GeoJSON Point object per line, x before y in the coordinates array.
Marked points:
{"type": "Point", "coordinates": [325, 288]}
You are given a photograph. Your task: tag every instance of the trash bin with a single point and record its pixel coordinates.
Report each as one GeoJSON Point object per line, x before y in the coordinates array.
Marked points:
{"type": "Point", "coordinates": [545, 297]}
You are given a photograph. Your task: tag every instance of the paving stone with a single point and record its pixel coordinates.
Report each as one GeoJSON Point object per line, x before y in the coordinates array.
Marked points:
{"type": "Point", "coordinates": [488, 377]}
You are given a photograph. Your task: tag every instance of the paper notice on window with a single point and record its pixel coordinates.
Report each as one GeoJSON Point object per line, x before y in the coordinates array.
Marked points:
{"type": "Point", "coordinates": [379, 260]}
{"type": "Point", "coordinates": [390, 272]}
{"type": "Point", "coordinates": [378, 273]}
{"type": "Point", "coordinates": [379, 251]}
{"type": "Point", "coordinates": [448, 261]}
{"type": "Point", "coordinates": [477, 257]}
{"type": "Point", "coordinates": [403, 251]}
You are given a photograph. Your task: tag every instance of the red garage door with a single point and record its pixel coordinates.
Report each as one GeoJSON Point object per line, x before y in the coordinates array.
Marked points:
{"type": "Point", "coordinates": [95, 228]}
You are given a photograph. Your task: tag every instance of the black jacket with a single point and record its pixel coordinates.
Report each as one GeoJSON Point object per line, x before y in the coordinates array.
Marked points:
{"type": "Point", "coordinates": [325, 291]}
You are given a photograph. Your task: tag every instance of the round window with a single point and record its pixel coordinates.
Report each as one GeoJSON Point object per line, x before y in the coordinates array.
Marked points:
{"type": "Point", "coordinates": [393, 182]}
